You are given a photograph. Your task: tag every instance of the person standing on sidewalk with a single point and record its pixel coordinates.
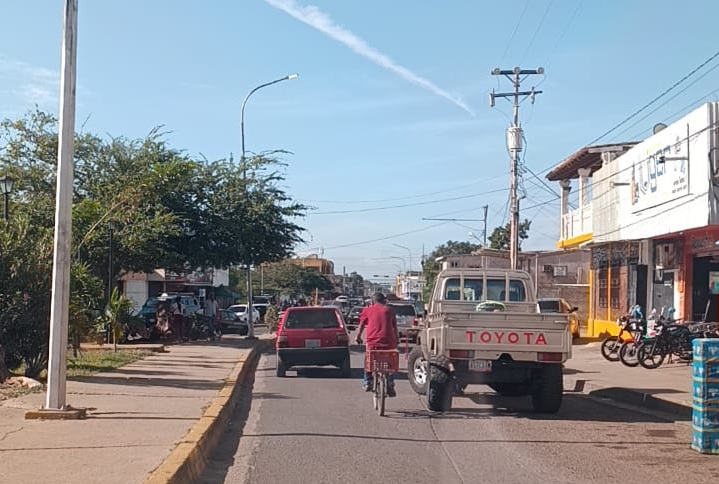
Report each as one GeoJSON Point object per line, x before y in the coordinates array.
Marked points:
{"type": "Point", "coordinates": [210, 313]}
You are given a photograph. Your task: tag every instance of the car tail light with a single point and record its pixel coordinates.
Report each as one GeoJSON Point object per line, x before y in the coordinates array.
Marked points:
{"type": "Point", "coordinates": [281, 340]}
{"type": "Point", "coordinates": [415, 322]}
{"type": "Point", "coordinates": [461, 354]}
{"type": "Point", "coordinates": [343, 338]}
{"type": "Point", "coordinates": [556, 357]}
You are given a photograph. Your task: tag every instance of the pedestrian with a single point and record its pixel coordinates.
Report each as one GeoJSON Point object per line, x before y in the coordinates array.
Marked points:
{"type": "Point", "coordinates": [271, 318]}
{"type": "Point", "coordinates": [210, 313]}
{"type": "Point", "coordinates": [381, 326]}
{"type": "Point", "coordinates": [178, 321]}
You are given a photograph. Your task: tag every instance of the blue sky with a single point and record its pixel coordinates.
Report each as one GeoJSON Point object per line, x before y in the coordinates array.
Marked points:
{"type": "Point", "coordinates": [365, 135]}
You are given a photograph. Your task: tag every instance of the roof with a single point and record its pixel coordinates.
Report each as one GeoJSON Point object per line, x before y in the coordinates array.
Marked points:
{"type": "Point", "coordinates": [587, 157]}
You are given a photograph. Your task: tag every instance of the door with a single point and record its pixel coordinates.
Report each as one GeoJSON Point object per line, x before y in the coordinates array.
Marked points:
{"type": "Point", "coordinates": [136, 291]}
{"type": "Point", "coordinates": [641, 288]}
{"type": "Point", "coordinates": [700, 290]}
{"type": "Point", "coordinates": [663, 291]}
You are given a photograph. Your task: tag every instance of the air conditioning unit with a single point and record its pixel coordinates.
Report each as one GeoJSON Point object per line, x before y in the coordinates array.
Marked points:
{"type": "Point", "coordinates": [548, 268]}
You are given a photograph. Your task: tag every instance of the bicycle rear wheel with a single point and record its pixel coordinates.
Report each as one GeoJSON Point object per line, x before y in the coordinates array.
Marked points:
{"type": "Point", "coordinates": [375, 387]}
{"type": "Point", "coordinates": [381, 394]}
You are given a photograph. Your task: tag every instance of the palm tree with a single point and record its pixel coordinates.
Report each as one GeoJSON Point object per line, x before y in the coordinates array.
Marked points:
{"type": "Point", "coordinates": [117, 310]}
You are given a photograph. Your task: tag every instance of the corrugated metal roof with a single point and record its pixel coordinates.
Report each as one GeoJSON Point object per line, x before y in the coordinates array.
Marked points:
{"type": "Point", "coordinates": [587, 157]}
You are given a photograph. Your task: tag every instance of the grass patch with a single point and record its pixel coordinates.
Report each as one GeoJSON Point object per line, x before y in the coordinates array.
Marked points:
{"type": "Point", "coordinates": [92, 362]}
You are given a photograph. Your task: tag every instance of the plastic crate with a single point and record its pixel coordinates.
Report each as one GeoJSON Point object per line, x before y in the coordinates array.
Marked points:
{"type": "Point", "coordinates": [705, 418]}
{"type": "Point", "coordinates": [705, 349]}
{"type": "Point", "coordinates": [706, 370]}
{"type": "Point", "coordinates": [705, 441]}
{"type": "Point", "coordinates": [705, 389]}
{"type": "Point", "coordinates": [383, 361]}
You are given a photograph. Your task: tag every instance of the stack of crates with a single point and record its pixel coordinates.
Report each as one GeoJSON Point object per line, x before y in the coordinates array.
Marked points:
{"type": "Point", "coordinates": [705, 396]}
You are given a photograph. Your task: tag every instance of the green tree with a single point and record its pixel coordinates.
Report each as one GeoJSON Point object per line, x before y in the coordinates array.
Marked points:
{"type": "Point", "coordinates": [500, 235]}
{"type": "Point", "coordinates": [118, 312]}
{"type": "Point", "coordinates": [287, 278]}
{"type": "Point", "coordinates": [430, 266]}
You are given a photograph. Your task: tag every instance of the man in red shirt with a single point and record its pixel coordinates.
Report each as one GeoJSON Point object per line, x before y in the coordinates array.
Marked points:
{"type": "Point", "coordinates": [381, 334]}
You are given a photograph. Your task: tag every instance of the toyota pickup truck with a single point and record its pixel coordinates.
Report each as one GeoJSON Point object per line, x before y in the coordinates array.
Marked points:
{"type": "Point", "coordinates": [484, 327]}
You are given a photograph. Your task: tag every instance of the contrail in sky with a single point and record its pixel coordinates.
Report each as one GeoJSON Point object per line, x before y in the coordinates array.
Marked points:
{"type": "Point", "coordinates": [319, 20]}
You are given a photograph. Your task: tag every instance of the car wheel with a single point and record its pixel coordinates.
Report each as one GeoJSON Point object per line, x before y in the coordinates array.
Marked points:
{"type": "Point", "coordinates": [281, 368]}
{"type": "Point", "coordinates": [346, 368]}
{"type": "Point", "coordinates": [417, 370]}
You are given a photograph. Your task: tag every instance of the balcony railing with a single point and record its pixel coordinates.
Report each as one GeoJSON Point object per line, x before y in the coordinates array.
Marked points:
{"type": "Point", "coordinates": [577, 222]}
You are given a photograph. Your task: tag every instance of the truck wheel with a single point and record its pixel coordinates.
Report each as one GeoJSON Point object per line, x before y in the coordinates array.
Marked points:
{"type": "Point", "coordinates": [510, 389]}
{"type": "Point", "coordinates": [439, 387]}
{"type": "Point", "coordinates": [417, 370]}
{"type": "Point", "coordinates": [547, 397]}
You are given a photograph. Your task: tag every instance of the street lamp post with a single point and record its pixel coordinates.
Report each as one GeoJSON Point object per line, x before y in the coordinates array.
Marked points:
{"type": "Point", "coordinates": [410, 254]}
{"type": "Point", "coordinates": [248, 261]}
{"type": "Point", "coordinates": [6, 186]}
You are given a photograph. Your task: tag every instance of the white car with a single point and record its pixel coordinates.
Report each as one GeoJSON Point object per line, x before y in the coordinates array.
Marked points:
{"type": "Point", "coordinates": [241, 311]}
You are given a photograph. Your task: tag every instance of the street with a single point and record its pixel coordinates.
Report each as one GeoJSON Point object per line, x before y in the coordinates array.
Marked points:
{"type": "Point", "coordinates": [319, 428]}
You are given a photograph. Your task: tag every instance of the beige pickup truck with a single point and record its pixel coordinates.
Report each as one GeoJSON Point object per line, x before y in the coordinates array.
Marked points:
{"type": "Point", "coordinates": [484, 327]}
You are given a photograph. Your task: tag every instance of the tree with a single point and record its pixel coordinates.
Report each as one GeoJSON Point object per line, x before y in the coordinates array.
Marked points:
{"type": "Point", "coordinates": [430, 266]}
{"type": "Point", "coordinates": [287, 278]}
{"type": "Point", "coordinates": [500, 235]}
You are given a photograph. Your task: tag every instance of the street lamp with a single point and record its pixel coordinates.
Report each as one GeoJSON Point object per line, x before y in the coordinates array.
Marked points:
{"type": "Point", "coordinates": [6, 186]}
{"type": "Point", "coordinates": [251, 325]}
{"type": "Point", "coordinates": [410, 254]}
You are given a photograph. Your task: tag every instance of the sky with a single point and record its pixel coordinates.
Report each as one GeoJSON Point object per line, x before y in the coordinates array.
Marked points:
{"type": "Point", "coordinates": [389, 122]}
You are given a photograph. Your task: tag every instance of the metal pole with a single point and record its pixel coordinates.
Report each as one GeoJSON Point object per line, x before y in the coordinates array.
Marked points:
{"type": "Point", "coordinates": [248, 261]}
{"type": "Point", "coordinates": [6, 209]}
{"type": "Point", "coordinates": [57, 372]}
{"type": "Point", "coordinates": [484, 231]}
{"type": "Point", "coordinates": [109, 268]}
{"type": "Point", "coordinates": [410, 254]}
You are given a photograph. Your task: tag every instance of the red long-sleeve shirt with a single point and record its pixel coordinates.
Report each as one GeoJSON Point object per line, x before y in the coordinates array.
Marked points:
{"type": "Point", "coordinates": [381, 331]}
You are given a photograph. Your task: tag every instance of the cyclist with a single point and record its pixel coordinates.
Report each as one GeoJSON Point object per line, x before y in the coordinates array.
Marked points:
{"type": "Point", "coordinates": [381, 335]}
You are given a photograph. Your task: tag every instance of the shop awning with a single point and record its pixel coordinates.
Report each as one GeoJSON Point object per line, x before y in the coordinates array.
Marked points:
{"type": "Point", "coordinates": [587, 157]}
{"type": "Point", "coordinates": [226, 292]}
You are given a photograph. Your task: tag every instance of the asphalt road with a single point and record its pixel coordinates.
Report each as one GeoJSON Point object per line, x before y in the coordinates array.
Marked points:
{"type": "Point", "coordinates": [318, 428]}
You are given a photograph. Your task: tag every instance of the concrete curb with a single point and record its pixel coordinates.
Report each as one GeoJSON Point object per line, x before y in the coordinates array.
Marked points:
{"type": "Point", "coordinates": [189, 458]}
{"type": "Point", "coordinates": [628, 396]}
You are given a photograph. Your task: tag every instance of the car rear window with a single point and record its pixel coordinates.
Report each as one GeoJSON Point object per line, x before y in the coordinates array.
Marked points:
{"type": "Point", "coordinates": [403, 310]}
{"type": "Point", "coordinates": [312, 319]}
{"type": "Point", "coordinates": [549, 306]}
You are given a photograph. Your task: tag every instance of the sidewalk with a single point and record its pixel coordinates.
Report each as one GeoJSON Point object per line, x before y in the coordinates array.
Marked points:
{"type": "Point", "coordinates": [136, 417]}
{"type": "Point", "coordinates": [667, 388]}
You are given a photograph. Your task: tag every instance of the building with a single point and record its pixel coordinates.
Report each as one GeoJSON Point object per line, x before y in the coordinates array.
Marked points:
{"type": "Point", "coordinates": [653, 221]}
{"type": "Point", "coordinates": [139, 286]}
{"type": "Point", "coordinates": [323, 266]}
{"type": "Point", "coordinates": [562, 273]}
{"type": "Point", "coordinates": [409, 286]}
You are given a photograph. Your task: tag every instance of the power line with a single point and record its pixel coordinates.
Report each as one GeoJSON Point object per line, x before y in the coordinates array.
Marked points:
{"type": "Point", "coordinates": [417, 204]}
{"type": "Point", "coordinates": [516, 28]}
{"type": "Point", "coordinates": [666, 102]}
{"type": "Point", "coordinates": [647, 105]}
{"type": "Point", "coordinates": [657, 98]}
{"type": "Point", "coordinates": [408, 197]}
{"type": "Point", "coordinates": [539, 27]}
{"type": "Point", "coordinates": [388, 237]}
{"type": "Point", "coordinates": [561, 37]}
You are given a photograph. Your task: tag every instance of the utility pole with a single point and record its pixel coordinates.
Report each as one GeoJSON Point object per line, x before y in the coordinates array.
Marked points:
{"type": "Point", "coordinates": [514, 145]}
{"type": "Point", "coordinates": [484, 231]}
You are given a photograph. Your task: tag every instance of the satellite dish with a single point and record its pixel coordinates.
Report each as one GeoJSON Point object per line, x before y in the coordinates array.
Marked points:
{"type": "Point", "coordinates": [658, 127]}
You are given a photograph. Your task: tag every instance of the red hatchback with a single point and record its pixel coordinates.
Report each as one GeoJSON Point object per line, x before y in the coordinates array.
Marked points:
{"type": "Point", "coordinates": [312, 336]}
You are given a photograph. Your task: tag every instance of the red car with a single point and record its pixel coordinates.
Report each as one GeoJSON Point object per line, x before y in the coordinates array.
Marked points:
{"type": "Point", "coordinates": [312, 336]}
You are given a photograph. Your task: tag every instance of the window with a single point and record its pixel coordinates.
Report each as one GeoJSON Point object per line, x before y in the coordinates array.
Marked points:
{"type": "Point", "coordinates": [560, 271]}
{"type": "Point", "coordinates": [402, 309]}
{"type": "Point", "coordinates": [473, 290]}
{"type": "Point", "coordinates": [550, 306]}
{"type": "Point", "coordinates": [312, 319]}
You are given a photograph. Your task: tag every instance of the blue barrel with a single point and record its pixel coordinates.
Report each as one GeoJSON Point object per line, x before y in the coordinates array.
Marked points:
{"type": "Point", "coordinates": [705, 396]}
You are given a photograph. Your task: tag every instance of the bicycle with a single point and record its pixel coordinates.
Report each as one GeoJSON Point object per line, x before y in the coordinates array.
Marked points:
{"type": "Point", "coordinates": [380, 363]}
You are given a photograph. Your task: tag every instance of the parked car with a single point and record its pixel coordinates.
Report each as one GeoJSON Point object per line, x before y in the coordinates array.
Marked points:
{"type": "Point", "coordinates": [560, 305]}
{"type": "Point", "coordinates": [312, 336]}
{"type": "Point", "coordinates": [353, 317]}
{"type": "Point", "coordinates": [407, 321]}
{"type": "Point", "coordinates": [241, 311]}
{"type": "Point", "coordinates": [231, 322]}
{"type": "Point", "coordinates": [190, 305]}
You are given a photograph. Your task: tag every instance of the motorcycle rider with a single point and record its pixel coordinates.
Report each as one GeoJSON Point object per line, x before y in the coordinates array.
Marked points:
{"type": "Point", "coordinates": [381, 326]}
